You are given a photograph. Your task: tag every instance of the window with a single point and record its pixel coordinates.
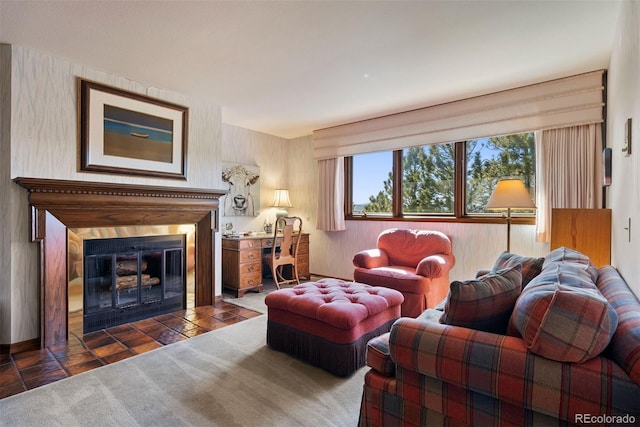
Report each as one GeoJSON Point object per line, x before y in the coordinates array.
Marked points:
{"type": "Point", "coordinates": [445, 180]}
{"type": "Point", "coordinates": [428, 179]}
{"type": "Point", "coordinates": [492, 159]}
{"type": "Point", "coordinates": [373, 183]}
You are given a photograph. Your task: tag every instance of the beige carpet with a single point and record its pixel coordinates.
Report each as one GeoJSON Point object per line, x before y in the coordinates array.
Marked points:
{"type": "Point", "coordinates": [254, 300]}
{"type": "Point", "coordinates": [227, 377]}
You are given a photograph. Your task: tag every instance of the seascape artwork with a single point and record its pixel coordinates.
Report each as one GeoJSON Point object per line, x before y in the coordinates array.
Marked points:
{"type": "Point", "coordinates": [137, 135]}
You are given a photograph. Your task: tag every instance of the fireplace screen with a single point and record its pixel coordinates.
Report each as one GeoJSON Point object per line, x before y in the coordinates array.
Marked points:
{"type": "Point", "coordinates": [128, 279]}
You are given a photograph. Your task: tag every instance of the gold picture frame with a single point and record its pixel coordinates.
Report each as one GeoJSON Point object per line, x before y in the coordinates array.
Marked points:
{"type": "Point", "coordinates": [128, 133]}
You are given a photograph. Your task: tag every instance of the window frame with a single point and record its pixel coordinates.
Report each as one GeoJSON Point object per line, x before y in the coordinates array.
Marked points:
{"type": "Point", "coordinates": [459, 202]}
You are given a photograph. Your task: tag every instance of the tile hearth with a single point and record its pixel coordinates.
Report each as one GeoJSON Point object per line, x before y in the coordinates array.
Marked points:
{"type": "Point", "coordinates": [82, 352]}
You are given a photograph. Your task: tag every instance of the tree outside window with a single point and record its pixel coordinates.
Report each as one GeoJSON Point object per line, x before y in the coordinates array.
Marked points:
{"type": "Point", "coordinates": [428, 176]}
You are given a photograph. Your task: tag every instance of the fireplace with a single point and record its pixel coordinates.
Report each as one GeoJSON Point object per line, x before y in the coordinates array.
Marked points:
{"type": "Point", "coordinates": [132, 278]}
{"type": "Point", "coordinates": [60, 205]}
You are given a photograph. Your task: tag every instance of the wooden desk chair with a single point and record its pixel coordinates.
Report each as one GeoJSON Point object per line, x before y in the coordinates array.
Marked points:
{"type": "Point", "coordinates": [285, 253]}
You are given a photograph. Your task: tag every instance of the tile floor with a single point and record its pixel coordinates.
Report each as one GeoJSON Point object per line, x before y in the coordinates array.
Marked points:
{"type": "Point", "coordinates": [82, 352]}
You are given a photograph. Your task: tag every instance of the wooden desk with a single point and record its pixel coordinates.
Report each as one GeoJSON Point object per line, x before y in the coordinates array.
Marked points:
{"type": "Point", "coordinates": [242, 261]}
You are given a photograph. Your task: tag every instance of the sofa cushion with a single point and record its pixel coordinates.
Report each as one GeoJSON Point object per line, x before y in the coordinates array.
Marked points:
{"type": "Point", "coordinates": [531, 266]}
{"type": "Point", "coordinates": [561, 315]}
{"type": "Point", "coordinates": [484, 303]}
{"type": "Point", "coordinates": [378, 356]}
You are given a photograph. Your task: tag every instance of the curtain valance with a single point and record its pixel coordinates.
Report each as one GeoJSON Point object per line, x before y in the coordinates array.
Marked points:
{"type": "Point", "coordinates": [569, 101]}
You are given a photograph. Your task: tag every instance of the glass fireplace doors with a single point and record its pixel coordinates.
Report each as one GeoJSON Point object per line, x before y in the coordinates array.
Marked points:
{"type": "Point", "coordinates": [128, 279]}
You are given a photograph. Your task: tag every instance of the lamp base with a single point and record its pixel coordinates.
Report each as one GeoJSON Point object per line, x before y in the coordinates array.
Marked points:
{"type": "Point", "coordinates": [280, 213]}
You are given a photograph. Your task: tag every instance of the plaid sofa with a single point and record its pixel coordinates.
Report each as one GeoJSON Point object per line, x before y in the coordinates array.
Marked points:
{"type": "Point", "coordinates": [427, 373]}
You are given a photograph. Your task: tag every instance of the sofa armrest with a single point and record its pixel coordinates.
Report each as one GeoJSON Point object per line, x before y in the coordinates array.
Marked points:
{"type": "Point", "coordinates": [501, 367]}
{"type": "Point", "coordinates": [435, 265]}
{"type": "Point", "coordinates": [371, 258]}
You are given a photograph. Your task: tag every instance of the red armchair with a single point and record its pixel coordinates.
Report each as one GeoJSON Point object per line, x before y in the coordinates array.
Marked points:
{"type": "Point", "coordinates": [414, 262]}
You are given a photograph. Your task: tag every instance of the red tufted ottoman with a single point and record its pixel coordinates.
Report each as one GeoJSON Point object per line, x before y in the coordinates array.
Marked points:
{"type": "Point", "coordinates": [329, 322]}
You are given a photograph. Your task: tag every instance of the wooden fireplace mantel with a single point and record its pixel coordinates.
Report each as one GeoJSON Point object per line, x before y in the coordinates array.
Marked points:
{"type": "Point", "coordinates": [60, 204]}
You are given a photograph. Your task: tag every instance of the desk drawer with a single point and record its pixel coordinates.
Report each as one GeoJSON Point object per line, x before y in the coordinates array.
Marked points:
{"type": "Point", "coordinates": [249, 243]}
{"type": "Point", "coordinates": [250, 267]}
{"type": "Point", "coordinates": [251, 255]}
{"type": "Point", "coordinates": [250, 280]}
{"type": "Point", "coordinates": [303, 248]}
{"type": "Point", "coordinates": [268, 243]}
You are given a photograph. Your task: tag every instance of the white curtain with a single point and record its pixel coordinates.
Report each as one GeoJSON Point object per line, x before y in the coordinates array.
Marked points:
{"type": "Point", "coordinates": [331, 194]}
{"type": "Point", "coordinates": [569, 171]}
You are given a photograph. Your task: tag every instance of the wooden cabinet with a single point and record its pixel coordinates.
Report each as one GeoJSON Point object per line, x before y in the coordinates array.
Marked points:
{"type": "Point", "coordinates": [585, 230]}
{"type": "Point", "coordinates": [303, 257]}
{"type": "Point", "coordinates": [242, 267]}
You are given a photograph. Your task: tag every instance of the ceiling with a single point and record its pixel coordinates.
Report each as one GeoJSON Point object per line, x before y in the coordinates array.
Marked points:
{"type": "Point", "coordinates": [287, 68]}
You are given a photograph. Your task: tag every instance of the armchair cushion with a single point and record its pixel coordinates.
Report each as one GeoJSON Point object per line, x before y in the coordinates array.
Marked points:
{"type": "Point", "coordinates": [400, 278]}
{"type": "Point", "coordinates": [409, 247]}
{"type": "Point", "coordinates": [485, 303]}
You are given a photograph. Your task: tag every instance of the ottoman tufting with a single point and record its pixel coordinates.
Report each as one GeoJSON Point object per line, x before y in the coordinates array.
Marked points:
{"type": "Point", "coordinates": [329, 322]}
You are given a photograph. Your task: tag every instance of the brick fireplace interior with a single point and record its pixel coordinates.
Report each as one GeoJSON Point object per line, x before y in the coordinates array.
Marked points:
{"type": "Point", "coordinates": [59, 208]}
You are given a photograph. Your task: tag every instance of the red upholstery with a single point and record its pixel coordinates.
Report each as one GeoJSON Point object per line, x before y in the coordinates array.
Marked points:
{"type": "Point", "coordinates": [329, 322]}
{"type": "Point", "coordinates": [414, 262]}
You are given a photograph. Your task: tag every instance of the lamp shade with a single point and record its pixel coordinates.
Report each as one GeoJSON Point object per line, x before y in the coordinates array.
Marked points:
{"type": "Point", "coordinates": [281, 199]}
{"type": "Point", "coordinates": [510, 193]}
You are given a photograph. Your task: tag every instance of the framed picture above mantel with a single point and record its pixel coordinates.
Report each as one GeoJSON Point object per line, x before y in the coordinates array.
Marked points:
{"type": "Point", "coordinates": [128, 133]}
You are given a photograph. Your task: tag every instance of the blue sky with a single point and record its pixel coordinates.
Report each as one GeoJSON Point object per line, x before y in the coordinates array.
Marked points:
{"type": "Point", "coordinates": [369, 172]}
{"type": "Point", "coordinates": [372, 169]}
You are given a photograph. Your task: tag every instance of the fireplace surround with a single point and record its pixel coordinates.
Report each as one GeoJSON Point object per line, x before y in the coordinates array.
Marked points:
{"type": "Point", "coordinates": [57, 205]}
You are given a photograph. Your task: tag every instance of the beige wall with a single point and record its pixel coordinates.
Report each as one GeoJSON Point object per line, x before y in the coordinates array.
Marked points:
{"type": "Point", "coordinates": [624, 102]}
{"type": "Point", "coordinates": [270, 154]}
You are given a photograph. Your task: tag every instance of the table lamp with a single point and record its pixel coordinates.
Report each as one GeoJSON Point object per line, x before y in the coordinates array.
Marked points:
{"type": "Point", "coordinates": [510, 194]}
{"type": "Point", "coordinates": [280, 201]}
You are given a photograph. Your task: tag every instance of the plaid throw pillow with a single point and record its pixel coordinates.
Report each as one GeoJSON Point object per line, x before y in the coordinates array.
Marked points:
{"type": "Point", "coordinates": [563, 254]}
{"type": "Point", "coordinates": [531, 266]}
{"type": "Point", "coordinates": [562, 316]}
{"type": "Point", "coordinates": [484, 303]}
